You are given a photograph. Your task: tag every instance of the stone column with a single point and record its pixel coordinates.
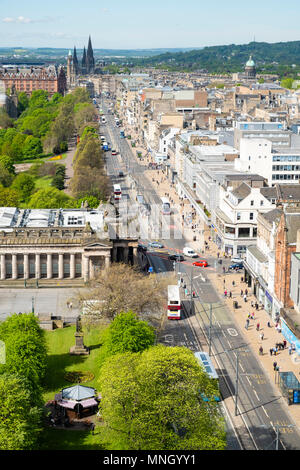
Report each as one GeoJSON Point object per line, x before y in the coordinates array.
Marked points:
{"type": "Point", "coordinates": [107, 261]}
{"type": "Point", "coordinates": [26, 266]}
{"type": "Point", "coordinates": [72, 266]}
{"type": "Point", "coordinates": [14, 267]}
{"type": "Point", "coordinates": [49, 266]}
{"type": "Point", "coordinates": [92, 269]}
{"type": "Point", "coordinates": [3, 268]}
{"type": "Point", "coordinates": [85, 268]}
{"type": "Point", "coordinates": [37, 266]}
{"type": "Point", "coordinates": [60, 266]}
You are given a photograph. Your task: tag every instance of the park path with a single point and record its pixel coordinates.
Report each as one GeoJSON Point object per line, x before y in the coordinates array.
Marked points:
{"type": "Point", "coordinates": [68, 162]}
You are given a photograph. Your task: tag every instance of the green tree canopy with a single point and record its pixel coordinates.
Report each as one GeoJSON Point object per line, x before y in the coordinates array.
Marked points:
{"type": "Point", "coordinates": [50, 198]}
{"type": "Point", "coordinates": [25, 348]}
{"type": "Point", "coordinates": [8, 197]}
{"type": "Point", "coordinates": [32, 147]}
{"type": "Point", "coordinates": [152, 401]}
{"type": "Point", "coordinates": [128, 333]}
{"type": "Point", "coordinates": [24, 184]}
{"type": "Point", "coordinates": [20, 421]}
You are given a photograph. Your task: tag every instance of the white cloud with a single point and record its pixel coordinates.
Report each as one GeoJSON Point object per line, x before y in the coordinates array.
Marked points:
{"type": "Point", "coordinates": [23, 20]}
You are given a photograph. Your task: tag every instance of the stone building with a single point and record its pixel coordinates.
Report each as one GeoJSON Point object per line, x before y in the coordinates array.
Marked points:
{"type": "Point", "coordinates": [59, 244]}
{"type": "Point", "coordinates": [50, 79]}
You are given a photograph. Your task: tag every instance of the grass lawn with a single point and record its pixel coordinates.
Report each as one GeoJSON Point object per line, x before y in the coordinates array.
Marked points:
{"type": "Point", "coordinates": [59, 362]}
{"type": "Point", "coordinates": [43, 182]}
{"type": "Point", "coordinates": [60, 439]}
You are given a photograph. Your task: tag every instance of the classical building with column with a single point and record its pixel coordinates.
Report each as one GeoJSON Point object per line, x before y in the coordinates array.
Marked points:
{"type": "Point", "coordinates": [58, 244]}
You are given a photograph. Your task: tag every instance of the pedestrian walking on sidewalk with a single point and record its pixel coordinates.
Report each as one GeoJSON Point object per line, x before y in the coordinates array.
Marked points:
{"type": "Point", "coordinates": [261, 351]}
{"type": "Point", "coordinates": [262, 336]}
{"type": "Point", "coordinates": [274, 365]}
{"type": "Point", "coordinates": [269, 324]}
{"type": "Point", "coordinates": [233, 283]}
{"type": "Point", "coordinates": [284, 344]}
{"type": "Point", "coordinates": [245, 298]}
{"type": "Point", "coordinates": [230, 294]}
{"type": "Point", "coordinates": [246, 325]}
{"type": "Point", "coordinates": [246, 291]}
{"type": "Point", "coordinates": [271, 352]}
{"type": "Point", "coordinates": [242, 292]}
{"type": "Point", "coordinates": [290, 350]}
{"type": "Point", "coordinates": [257, 327]}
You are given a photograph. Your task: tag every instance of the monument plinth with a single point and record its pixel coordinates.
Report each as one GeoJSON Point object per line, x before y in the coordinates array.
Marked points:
{"type": "Point", "coordinates": [79, 349]}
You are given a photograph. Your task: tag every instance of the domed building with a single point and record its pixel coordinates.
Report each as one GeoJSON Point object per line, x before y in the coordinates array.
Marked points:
{"type": "Point", "coordinates": [250, 69]}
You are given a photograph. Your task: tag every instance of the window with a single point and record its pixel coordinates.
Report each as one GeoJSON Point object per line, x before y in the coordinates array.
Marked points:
{"type": "Point", "coordinates": [238, 216]}
{"type": "Point", "coordinates": [252, 203]}
{"type": "Point", "coordinates": [261, 203]}
{"type": "Point", "coordinates": [251, 217]}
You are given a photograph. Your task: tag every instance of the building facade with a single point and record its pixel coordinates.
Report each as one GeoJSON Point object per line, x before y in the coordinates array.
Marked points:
{"type": "Point", "coordinates": [51, 79]}
{"type": "Point", "coordinates": [58, 244]}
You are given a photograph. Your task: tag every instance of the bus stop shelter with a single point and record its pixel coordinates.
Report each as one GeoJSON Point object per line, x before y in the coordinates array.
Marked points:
{"type": "Point", "coordinates": [290, 387]}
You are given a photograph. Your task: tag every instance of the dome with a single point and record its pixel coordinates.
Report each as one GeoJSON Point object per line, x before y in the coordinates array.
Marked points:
{"type": "Point", "coordinates": [250, 62]}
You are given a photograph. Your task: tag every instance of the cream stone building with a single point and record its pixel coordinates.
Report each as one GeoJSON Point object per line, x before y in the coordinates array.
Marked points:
{"type": "Point", "coordinates": [59, 244]}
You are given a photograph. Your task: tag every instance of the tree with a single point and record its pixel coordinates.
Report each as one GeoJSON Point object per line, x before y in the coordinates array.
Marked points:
{"type": "Point", "coordinates": [7, 163]}
{"type": "Point", "coordinates": [50, 198]}
{"type": "Point", "coordinates": [20, 421]}
{"type": "Point", "coordinates": [23, 102]}
{"type": "Point", "coordinates": [8, 197]}
{"type": "Point", "coordinates": [122, 288]}
{"type": "Point", "coordinates": [25, 348]}
{"type": "Point", "coordinates": [153, 401]}
{"type": "Point", "coordinates": [32, 147]}
{"type": "Point", "coordinates": [24, 185]}
{"type": "Point", "coordinates": [128, 333]}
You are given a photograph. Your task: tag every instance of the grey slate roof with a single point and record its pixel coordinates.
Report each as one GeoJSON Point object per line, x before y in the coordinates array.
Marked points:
{"type": "Point", "coordinates": [272, 216]}
{"type": "Point", "coordinates": [242, 191]}
{"type": "Point", "coordinates": [78, 392]}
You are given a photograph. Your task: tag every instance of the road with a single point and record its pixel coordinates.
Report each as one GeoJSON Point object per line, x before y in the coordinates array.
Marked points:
{"type": "Point", "coordinates": [260, 407]}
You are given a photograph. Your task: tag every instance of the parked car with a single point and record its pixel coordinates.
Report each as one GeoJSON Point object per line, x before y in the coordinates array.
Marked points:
{"type": "Point", "coordinates": [155, 245]}
{"type": "Point", "coordinates": [202, 263]}
{"type": "Point", "coordinates": [114, 152]}
{"type": "Point", "coordinates": [187, 251]}
{"type": "Point", "coordinates": [237, 260]}
{"type": "Point", "coordinates": [142, 247]}
{"type": "Point", "coordinates": [236, 266]}
{"type": "Point", "coordinates": [121, 174]}
{"type": "Point", "coordinates": [176, 257]}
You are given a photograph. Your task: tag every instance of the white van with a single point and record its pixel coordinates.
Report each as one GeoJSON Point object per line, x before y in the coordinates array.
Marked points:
{"type": "Point", "coordinates": [187, 251]}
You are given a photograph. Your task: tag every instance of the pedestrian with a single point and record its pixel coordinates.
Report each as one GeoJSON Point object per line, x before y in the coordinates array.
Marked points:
{"type": "Point", "coordinates": [262, 336]}
{"type": "Point", "coordinates": [269, 324]}
{"type": "Point", "coordinates": [230, 295]}
{"type": "Point", "coordinates": [245, 298]}
{"type": "Point", "coordinates": [271, 352]}
{"type": "Point", "coordinates": [261, 351]}
{"type": "Point", "coordinates": [257, 327]}
{"type": "Point", "coordinates": [242, 292]}
{"type": "Point", "coordinates": [218, 255]}
{"type": "Point", "coordinates": [68, 304]}
{"type": "Point", "coordinates": [284, 344]}
{"type": "Point", "coordinates": [233, 283]}
{"type": "Point", "coordinates": [246, 291]}
{"type": "Point", "coordinates": [256, 306]}
{"type": "Point", "coordinates": [246, 325]}
{"type": "Point", "coordinates": [290, 350]}
{"type": "Point", "coordinates": [274, 365]}
{"type": "Point", "coordinates": [252, 315]}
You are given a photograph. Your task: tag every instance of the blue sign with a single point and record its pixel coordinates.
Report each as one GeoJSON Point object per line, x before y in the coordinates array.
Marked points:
{"type": "Point", "coordinates": [296, 398]}
{"type": "Point", "coordinates": [269, 297]}
{"type": "Point", "coordinates": [289, 336]}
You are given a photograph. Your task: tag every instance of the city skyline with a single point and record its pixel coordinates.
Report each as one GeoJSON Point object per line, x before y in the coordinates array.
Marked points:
{"type": "Point", "coordinates": [140, 25]}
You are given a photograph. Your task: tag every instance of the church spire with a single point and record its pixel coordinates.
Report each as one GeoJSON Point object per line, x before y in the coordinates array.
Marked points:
{"type": "Point", "coordinates": [75, 61]}
{"type": "Point", "coordinates": [90, 61]}
{"type": "Point", "coordinates": [83, 62]}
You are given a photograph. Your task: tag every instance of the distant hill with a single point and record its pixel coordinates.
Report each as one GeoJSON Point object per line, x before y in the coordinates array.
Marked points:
{"type": "Point", "coordinates": [231, 57]}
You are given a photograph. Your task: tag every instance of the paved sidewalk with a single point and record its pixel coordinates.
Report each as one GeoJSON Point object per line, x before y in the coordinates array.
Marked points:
{"type": "Point", "coordinates": [285, 361]}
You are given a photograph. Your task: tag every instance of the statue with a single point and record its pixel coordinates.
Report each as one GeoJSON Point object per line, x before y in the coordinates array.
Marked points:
{"type": "Point", "coordinates": [79, 349]}
{"type": "Point", "coordinates": [78, 325]}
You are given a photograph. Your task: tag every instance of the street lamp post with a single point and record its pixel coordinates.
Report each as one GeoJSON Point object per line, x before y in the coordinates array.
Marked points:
{"type": "Point", "coordinates": [209, 331]}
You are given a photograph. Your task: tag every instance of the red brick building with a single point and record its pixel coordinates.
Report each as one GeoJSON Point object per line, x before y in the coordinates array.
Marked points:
{"type": "Point", "coordinates": [51, 79]}
{"type": "Point", "coordinates": [285, 245]}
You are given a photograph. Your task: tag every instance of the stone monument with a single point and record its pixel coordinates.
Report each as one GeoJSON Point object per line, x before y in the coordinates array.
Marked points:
{"type": "Point", "coordinates": [79, 349]}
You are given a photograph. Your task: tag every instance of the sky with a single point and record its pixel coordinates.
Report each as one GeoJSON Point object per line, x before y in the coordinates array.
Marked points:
{"type": "Point", "coordinates": [140, 24]}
